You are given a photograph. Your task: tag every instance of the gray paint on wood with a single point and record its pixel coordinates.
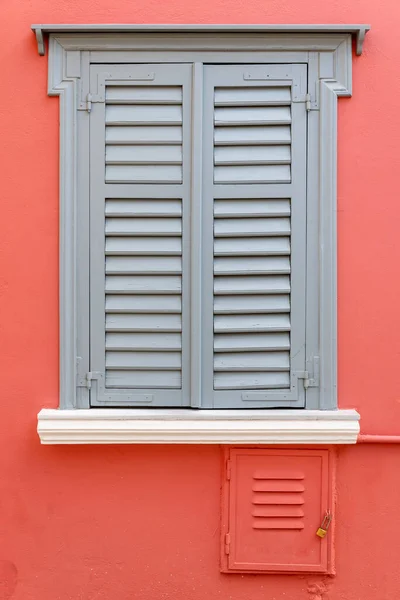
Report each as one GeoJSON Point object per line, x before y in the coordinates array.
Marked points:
{"type": "Point", "coordinates": [329, 77]}
{"type": "Point", "coordinates": [238, 276]}
{"type": "Point", "coordinates": [133, 346]}
{"type": "Point", "coordinates": [358, 30]}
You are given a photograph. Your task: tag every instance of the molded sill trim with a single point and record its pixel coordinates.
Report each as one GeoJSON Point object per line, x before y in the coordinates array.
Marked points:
{"type": "Point", "coordinates": [189, 426]}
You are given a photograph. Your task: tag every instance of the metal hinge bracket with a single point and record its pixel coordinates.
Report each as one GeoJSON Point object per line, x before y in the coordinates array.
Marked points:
{"type": "Point", "coordinates": [91, 98]}
{"type": "Point", "coordinates": [86, 380]}
{"type": "Point", "coordinates": [310, 381]}
{"type": "Point", "coordinates": [227, 543]}
{"type": "Point", "coordinates": [306, 100]}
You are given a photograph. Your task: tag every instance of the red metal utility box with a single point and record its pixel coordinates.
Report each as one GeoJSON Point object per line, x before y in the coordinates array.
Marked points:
{"type": "Point", "coordinates": [274, 502]}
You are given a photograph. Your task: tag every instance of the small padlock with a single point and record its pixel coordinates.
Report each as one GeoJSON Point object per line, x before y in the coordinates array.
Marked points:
{"type": "Point", "coordinates": [323, 530]}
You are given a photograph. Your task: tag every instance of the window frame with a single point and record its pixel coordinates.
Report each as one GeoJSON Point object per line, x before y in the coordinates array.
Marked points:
{"type": "Point", "coordinates": [329, 59]}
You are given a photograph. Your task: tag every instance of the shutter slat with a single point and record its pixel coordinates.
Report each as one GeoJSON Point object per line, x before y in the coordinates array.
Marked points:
{"type": "Point", "coordinates": [243, 136]}
{"type": "Point", "coordinates": [251, 227]}
{"type": "Point", "coordinates": [143, 284]}
{"type": "Point", "coordinates": [252, 361]}
{"type": "Point", "coordinates": [141, 322]}
{"type": "Point", "coordinates": [144, 135]}
{"type": "Point", "coordinates": [252, 155]}
{"type": "Point", "coordinates": [143, 115]}
{"type": "Point", "coordinates": [251, 208]}
{"type": "Point", "coordinates": [255, 266]}
{"type": "Point", "coordinates": [143, 226]}
{"type": "Point", "coordinates": [250, 323]}
{"type": "Point", "coordinates": [273, 246]}
{"type": "Point", "coordinates": [156, 265]}
{"type": "Point", "coordinates": [251, 342]}
{"type": "Point", "coordinates": [253, 174]}
{"type": "Point", "coordinates": [251, 304]}
{"type": "Point", "coordinates": [144, 174]}
{"type": "Point", "coordinates": [144, 379]}
{"type": "Point", "coordinates": [145, 361]}
{"type": "Point", "coordinates": [251, 380]}
{"type": "Point", "coordinates": [256, 115]}
{"type": "Point", "coordinates": [143, 304]}
{"type": "Point", "coordinates": [144, 155]}
{"type": "Point", "coordinates": [132, 246]}
{"type": "Point", "coordinates": [252, 96]}
{"type": "Point", "coordinates": [141, 94]}
{"type": "Point", "coordinates": [167, 342]}
{"type": "Point", "coordinates": [143, 208]}
{"type": "Point", "coordinates": [252, 285]}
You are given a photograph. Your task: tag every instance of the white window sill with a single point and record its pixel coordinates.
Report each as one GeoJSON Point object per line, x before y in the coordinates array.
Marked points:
{"type": "Point", "coordinates": [186, 426]}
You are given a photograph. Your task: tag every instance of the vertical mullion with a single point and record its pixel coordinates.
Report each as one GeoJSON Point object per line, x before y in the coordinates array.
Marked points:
{"type": "Point", "coordinates": [82, 260]}
{"type": "Point", "coordinates": [82, 243]}
{"type": "Point", "coordinates": [185, 80]}
{"type": "Point", "coordinates": [97, 237]}
{"type": "Point", "coordinates": [196, 236]}
{"type": "Point", "coordinates": [298, 237]}
{"type": "Point", "coordinates": [313, 263]}
{"type": "Point", "coordinates": [208, 242]}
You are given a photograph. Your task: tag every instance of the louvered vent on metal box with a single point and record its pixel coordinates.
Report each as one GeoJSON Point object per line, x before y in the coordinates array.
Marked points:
{"type": "Point", "coordinates": [274, 502]}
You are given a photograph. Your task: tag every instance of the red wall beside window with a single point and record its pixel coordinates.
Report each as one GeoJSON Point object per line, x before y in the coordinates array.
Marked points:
{"type": "Point", "coordinates": [142, 522]}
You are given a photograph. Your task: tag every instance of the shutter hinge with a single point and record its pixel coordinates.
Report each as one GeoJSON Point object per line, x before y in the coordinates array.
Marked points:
{"type": "Point", "coordinates": [90, 99]}
{"type": "Point", "coordinates": [227, 543]}
{"type": "Point", "coordinates": [89, 103]}
{"type": "Point", "coordinates": [303, 99]}
{"type": "Point", "coordinates": [86, 380]}
{"type": "Point", "coordinates": [228, 469]}
{"type": "Point", "coordinates": [310, 381]}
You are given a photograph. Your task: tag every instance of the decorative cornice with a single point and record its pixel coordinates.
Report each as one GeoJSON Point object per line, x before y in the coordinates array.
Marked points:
{"type": "Point", "coordinates": [137, 426]}
{"type": "Point", "coordinates": [41, 30]}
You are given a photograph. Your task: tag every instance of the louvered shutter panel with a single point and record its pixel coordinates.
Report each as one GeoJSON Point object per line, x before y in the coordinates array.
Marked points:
{"type": "Point", "coordinates": [255, 235]}
{"type": "Point", "coordinates": [139, 210]}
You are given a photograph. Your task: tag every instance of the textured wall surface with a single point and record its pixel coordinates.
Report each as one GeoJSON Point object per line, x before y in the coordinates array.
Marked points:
{"type": "Point", "coordinates": [142, 523]}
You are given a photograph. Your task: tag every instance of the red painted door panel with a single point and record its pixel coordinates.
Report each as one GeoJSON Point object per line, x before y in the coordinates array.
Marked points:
{"type": "Point", "coordinates": [276, 502]}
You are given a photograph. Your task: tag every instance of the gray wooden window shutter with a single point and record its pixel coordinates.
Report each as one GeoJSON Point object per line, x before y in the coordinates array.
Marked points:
{"type": "Point", "coordinates": [198, 182]}
{"type": "Point", "coordinates": [254, 195]}
{"type": "Point", "coordinates": [140, 139]}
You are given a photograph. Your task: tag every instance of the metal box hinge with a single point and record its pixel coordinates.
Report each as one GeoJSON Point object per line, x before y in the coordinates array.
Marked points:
{"type": "Point", "coordinates": [308, 102]}
{"type": "Point", "coordinates": [310, 380]}
{"type": "Point", "coordinates": [228, 469]}
{"type": "Point", "coordinates": [227, 543]}
{"type": "Point", "coordinates": [86, 380]}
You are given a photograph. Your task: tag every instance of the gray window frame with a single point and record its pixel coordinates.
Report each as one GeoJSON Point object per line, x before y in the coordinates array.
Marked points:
{"type": "Point", "coordinates": [329, 59]}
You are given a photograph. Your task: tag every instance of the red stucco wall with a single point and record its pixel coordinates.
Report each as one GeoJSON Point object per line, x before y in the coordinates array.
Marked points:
{"type": "Point", "coordinates": [124, 523]}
